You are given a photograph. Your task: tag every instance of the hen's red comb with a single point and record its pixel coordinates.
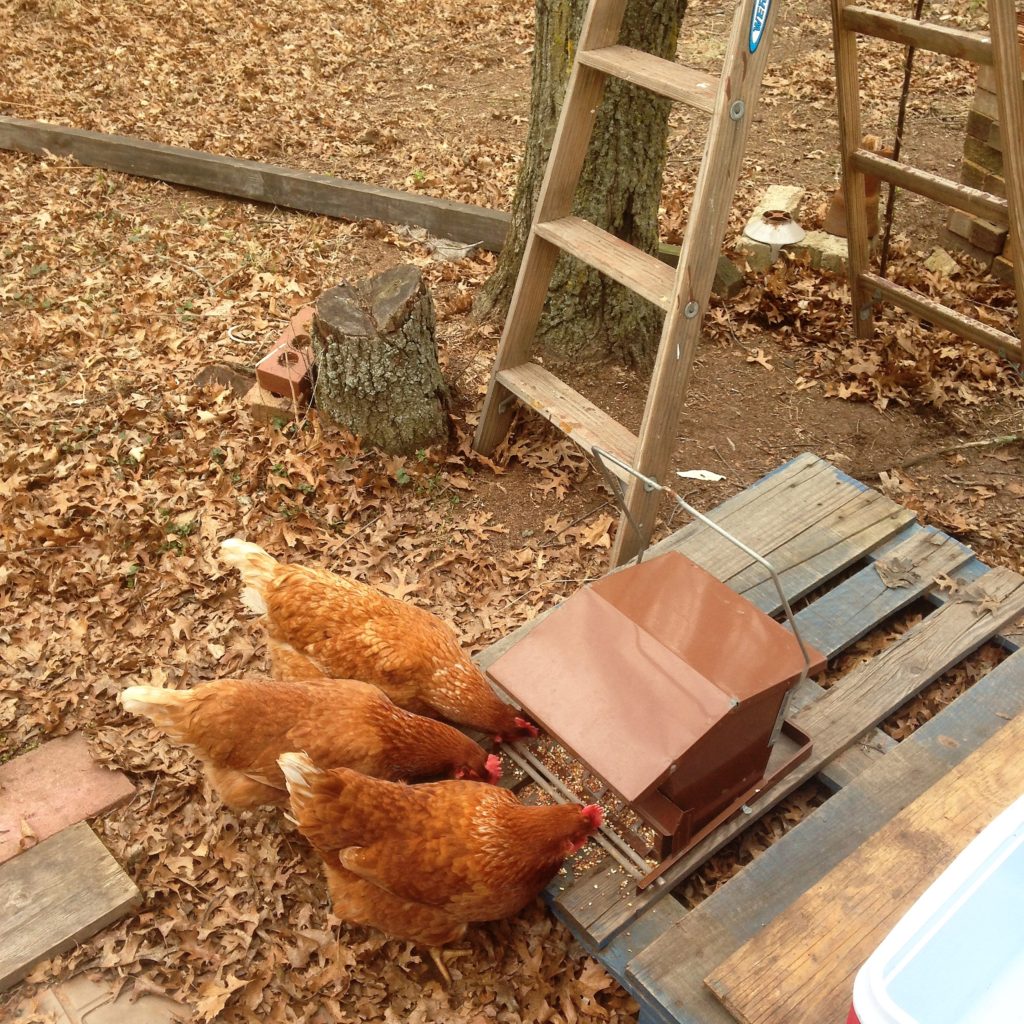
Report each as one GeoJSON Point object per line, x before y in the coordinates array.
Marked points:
{"type": "Point", "coordinates": [528, 726]}
{"type": "Point", "coordinates": [594, 816]}
{"type": "Point", "coordinates": [493, 766]}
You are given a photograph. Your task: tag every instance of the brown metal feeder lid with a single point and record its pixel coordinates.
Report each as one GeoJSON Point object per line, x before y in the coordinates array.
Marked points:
{"type": "Point", "coordinates": [632, 671]}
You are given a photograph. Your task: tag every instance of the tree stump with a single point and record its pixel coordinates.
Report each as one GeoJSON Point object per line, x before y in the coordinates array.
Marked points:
{"type": "Point", "coordinates": [376, 357]}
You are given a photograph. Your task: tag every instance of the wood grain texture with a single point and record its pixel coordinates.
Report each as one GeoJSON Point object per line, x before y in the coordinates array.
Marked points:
{"type": "Point", "coordinates": [800, 968]}
{"type": "Point", "coordinates": [264, 183]}
{"type": "Point", "coordinates": [954, 42]}
{"type": "Point", "coordinates": [540, 390]}
{"type": "Point", "coordinates": [636, 270]}
{"type": "Point", "coordinates": [670, 972]}
{"type": "Point", "coordinates": [944, 317]}
{"type": "Point", "coordinates": [810, 523]}
{"type": "Point", "coordinates": [924, 183]}
{"type": "Point", "coordinates": [667, 78]}
{"type": "Point", "coordinates": [63, 890]}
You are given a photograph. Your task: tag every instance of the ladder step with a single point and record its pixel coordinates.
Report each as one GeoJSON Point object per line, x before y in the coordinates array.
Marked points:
{"type": "Point", "coordinates": [665, 77]}
{"type": "Point", "coordinates": [942, 316]}
{"type": "Point", "coordinates": [643, 274]}
{"type": "Point", "coordinates": [954, 42]}
{"type": "Point", "coordinates": [584, 422]}
{"type": "Point", "coordinates": [960, 197]}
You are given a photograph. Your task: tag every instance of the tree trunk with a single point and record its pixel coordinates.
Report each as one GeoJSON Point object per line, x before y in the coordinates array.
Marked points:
{"type": "Point", "coordinates": [589, 316]}
{"type": "Point", "coordinates": [377, 371]}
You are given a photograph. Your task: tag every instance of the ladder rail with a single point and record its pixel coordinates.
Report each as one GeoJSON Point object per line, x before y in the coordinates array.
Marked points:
{"type": "Point", "coordinates": [1010, 96]}
{"type": "Point", "coordinates": [854, 185]}
{"type": "Point", "coordinates": [709, 215]}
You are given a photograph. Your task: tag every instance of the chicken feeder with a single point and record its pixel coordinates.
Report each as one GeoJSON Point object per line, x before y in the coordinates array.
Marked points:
{"type": "Point", "coordinates": [668, 686]}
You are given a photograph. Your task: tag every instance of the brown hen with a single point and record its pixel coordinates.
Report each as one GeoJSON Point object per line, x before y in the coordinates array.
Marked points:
{"type": "Point", "coordinates": [422, 862]}
{"type": "Point", "coordinates": [319, 624]}
{"type": "Point", "coordinates": [240, 727]}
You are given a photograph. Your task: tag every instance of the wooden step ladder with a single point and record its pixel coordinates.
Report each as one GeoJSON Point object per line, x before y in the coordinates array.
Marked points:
{"type": "Point", "coordinates": [998, 49]}
{"type": "Point", "coordinates": [682, 293]}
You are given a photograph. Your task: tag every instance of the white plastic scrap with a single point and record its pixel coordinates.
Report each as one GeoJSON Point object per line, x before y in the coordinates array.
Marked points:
{"type": "Point", "coordinates": [698, 474]}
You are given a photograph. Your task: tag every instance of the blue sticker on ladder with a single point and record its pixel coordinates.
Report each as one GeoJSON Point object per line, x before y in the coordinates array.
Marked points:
{"type": "Point", "coordinates": [758, 18]}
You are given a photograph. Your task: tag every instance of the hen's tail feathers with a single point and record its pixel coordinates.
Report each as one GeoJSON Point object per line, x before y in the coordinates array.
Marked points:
{"type": "Point", "coordinates": [164, 707]}
{"type": "Point", "coordinates": [256, 567]}
{"type": "Point", "coordinates": [299, 771]}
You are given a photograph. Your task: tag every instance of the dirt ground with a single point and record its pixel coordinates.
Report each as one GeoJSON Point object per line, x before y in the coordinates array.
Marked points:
{"type": "Point", "coordinates": [120, 474]}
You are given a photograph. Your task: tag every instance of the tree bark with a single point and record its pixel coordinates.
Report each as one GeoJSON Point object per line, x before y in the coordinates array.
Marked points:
{"type": "Point", "coordinates": [589, 316]}
{"type": "Point", "coordinates": [377, 370]}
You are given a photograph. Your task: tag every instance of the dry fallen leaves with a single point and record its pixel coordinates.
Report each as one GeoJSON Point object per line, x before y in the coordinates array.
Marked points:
{"type": "Point", "coordinates": [118, 476]}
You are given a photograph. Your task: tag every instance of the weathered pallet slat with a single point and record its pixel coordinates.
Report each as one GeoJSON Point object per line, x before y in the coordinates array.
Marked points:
{"type": "Point", "coordinates": [787, 506]}
{"type": "Point", "coordinates": [64, 889]}
{"type": "Point", "coordinates": [858, 604]}
{"type": "Point", "coordinates": [800, 968]}
{"type": "Point", "coordinates": [669, 974]}
{"type": "Point", "coordinates": [864, 521]}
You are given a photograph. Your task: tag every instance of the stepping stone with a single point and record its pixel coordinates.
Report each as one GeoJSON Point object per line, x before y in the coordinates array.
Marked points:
{"type": "Point", "coordinates": [81, 1001]}
{"type": "Point", "coordinates": [56, 894]}
{"type": "Point", "coordinates": [54, 786]}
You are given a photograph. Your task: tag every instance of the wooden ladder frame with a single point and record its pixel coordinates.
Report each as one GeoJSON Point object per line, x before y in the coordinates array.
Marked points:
{"type": "Point", "coordinates": [999, 50]}
{"type": "Point", "coordinates": [683, 294]}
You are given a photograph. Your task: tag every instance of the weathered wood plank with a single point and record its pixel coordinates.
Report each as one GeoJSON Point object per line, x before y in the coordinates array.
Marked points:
{"type": "Point", "coordinates": [866, 695]}
{"type": "Point", "coordinates": [263, 183]}
{"type": "Point", "coordinates": [819, 554]}
{"type": "Point", "coordinates": [858, 604]}
{"type": "Point", "coordinates": [800, 968]}
{"type": "Point", "coordinates": [64, 889]}
{"type": "Point", "coordinates": [810, 525]}
{"type": "Point", "coordinates": [670, 972]}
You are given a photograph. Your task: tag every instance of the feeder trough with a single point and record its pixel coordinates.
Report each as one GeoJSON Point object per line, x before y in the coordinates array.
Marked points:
{"type": "Point", "coordinates": [671, 688]}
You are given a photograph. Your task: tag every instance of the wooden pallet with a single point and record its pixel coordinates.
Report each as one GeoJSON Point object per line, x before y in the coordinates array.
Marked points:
{"type": "Point", "coordinates": [812, 522]}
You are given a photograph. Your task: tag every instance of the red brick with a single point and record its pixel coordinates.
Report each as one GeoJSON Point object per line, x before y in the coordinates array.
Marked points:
{"type": "Point", "coordinates": [52, 787]}
{"type": "Point", "coordinates": [286, 370]}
